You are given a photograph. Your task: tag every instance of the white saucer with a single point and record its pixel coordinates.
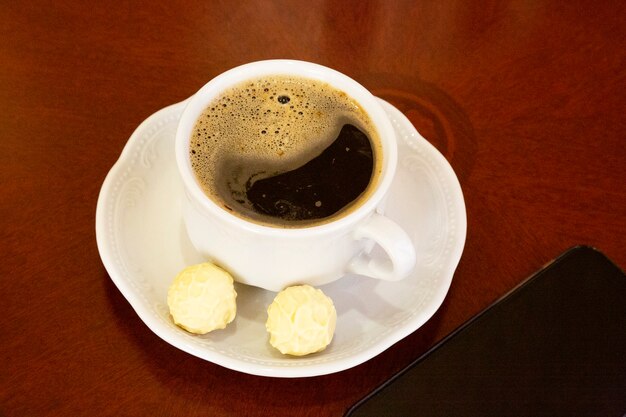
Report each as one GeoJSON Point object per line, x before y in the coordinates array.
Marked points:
{"type": "Point", "coordinates": [143, 246]}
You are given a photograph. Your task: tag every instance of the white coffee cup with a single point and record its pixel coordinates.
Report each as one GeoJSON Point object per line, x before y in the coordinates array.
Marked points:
{"type": "Point", "coordinates": [274, 258]}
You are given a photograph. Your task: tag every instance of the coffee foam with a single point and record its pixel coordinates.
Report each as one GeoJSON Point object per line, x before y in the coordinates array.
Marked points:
{"type": "Point", "coordinates": [263, 127]}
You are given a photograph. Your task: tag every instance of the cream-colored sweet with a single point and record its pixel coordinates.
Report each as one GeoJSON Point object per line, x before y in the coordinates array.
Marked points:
{"type": "Point", "coordinates": [301, 320]}
{"type": "Point", "coordinates": [202, 298]}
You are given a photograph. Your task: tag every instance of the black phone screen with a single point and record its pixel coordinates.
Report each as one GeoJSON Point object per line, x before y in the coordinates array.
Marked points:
{"type": "Point", "coordinates": [554, 346]}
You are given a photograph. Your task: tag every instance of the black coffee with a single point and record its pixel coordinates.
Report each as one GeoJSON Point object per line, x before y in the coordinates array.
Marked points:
{"type": "Point", "coordinates": [322, 186]}
{"type": "Point", "coordinates": [285, 152]}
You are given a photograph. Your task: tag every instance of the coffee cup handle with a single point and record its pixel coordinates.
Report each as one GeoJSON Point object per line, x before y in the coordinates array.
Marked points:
{"type": "Point", "coordinates": [400, 259]}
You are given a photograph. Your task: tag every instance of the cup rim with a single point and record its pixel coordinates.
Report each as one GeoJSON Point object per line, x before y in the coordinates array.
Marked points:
{"type": "Point", "coordinates": [199, 101]}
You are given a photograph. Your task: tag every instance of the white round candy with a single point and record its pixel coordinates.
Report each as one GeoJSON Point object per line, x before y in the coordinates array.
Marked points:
{"type": "Point", "coordinates": [202, 298]}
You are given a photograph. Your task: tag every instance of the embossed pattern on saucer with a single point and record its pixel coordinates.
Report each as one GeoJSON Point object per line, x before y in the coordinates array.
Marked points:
{"type": "Point", "coordinates": [143, 245]}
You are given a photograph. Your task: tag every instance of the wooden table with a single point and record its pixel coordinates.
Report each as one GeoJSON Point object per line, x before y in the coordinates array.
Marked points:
{"type": "Point", "coordinates": [525, 99]}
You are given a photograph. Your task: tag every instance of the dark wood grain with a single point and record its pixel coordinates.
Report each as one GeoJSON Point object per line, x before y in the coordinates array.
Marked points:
{"type": "Point", "coordinates": [525, 99]}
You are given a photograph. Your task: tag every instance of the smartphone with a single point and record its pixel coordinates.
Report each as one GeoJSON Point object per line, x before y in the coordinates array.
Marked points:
{"type": "Point", "coordinates": [553, 346]}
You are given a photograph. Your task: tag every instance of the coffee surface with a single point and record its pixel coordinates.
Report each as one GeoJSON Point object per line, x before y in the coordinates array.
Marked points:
{"type": "Point", "coordinates": [322, 186]}
{"type": "Point", "coordinates": [285, 151]}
